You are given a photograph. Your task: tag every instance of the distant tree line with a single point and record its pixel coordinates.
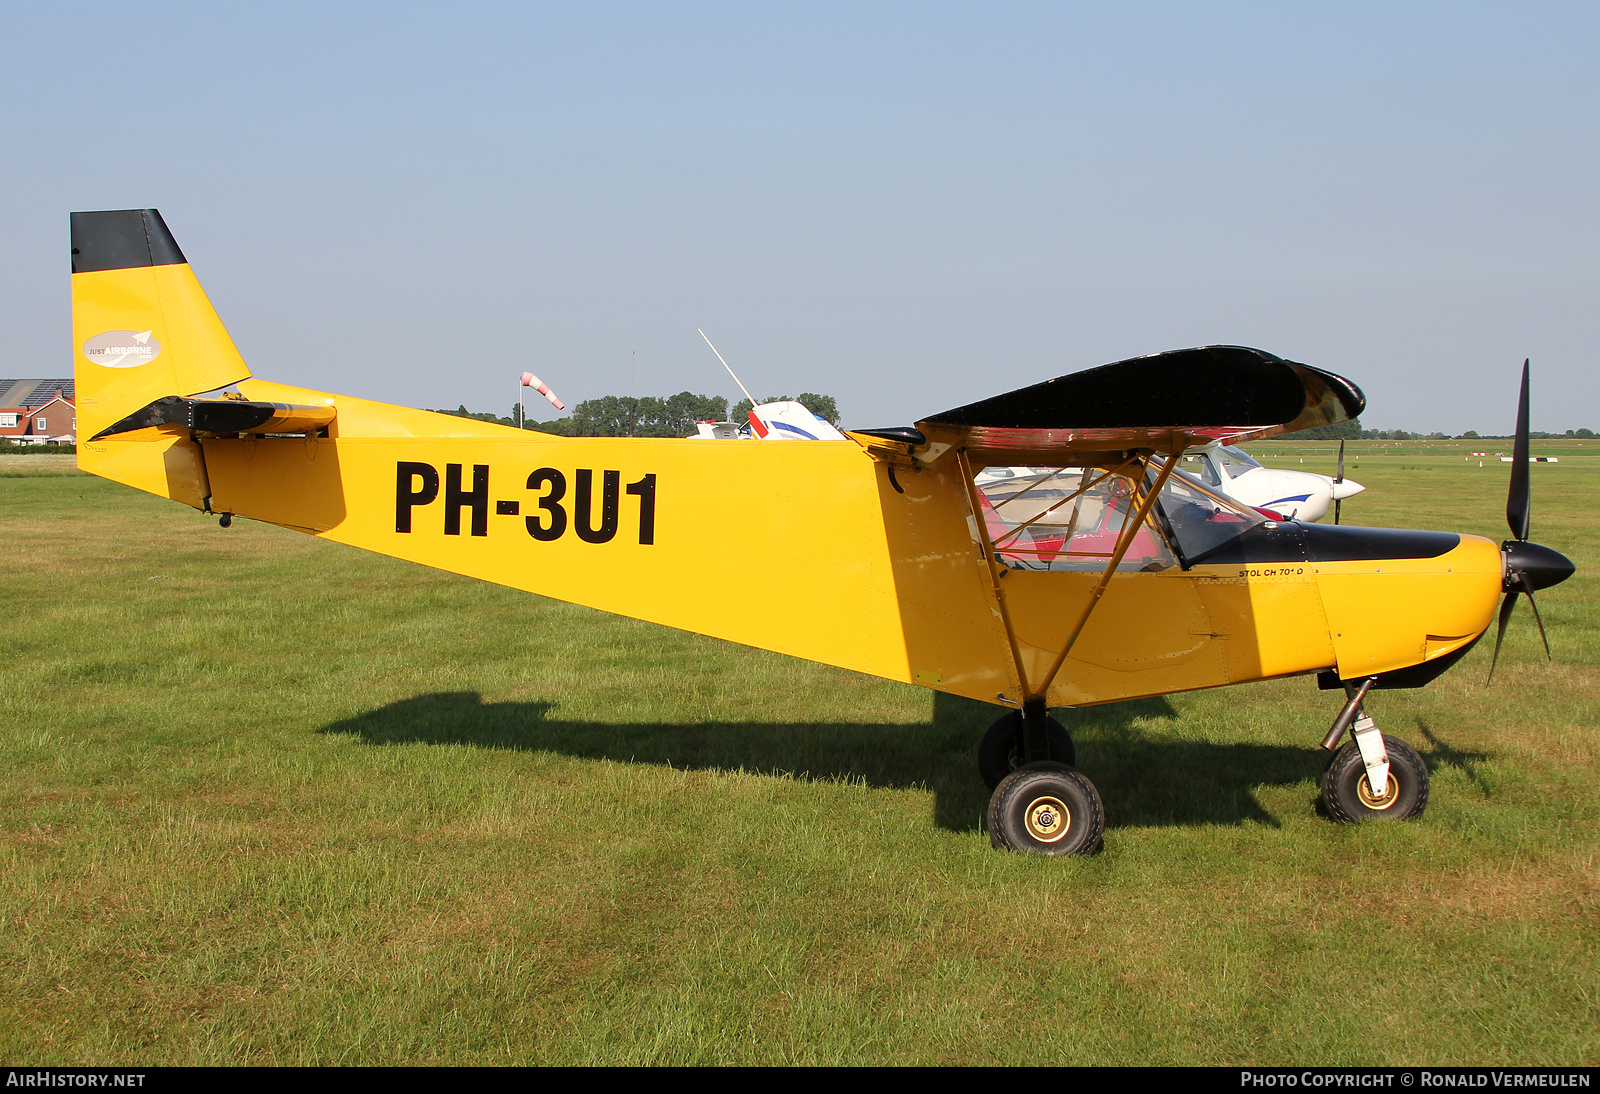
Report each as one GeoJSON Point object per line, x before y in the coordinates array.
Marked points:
{"type": "Point", "coordinates": [626, 416]}
{"type": "Point", "coordinates": [1342, 431]}
{"type": "Point", "coordinates": [1533, 434]}
{"type": "Point", "coordinates": [647, 416]}
{"type": "Point", "coordinates": [1352, 431]}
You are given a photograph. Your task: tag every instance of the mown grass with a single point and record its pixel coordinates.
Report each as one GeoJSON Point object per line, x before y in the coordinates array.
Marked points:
{"type": "Point", "coordinates": [272, 800]}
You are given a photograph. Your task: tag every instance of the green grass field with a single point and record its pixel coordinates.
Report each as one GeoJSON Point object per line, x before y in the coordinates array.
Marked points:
{"type": "Point", "coordinates": [271, 800]}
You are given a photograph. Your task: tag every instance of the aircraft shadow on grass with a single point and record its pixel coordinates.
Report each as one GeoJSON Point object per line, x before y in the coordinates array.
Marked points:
{"type": "Point", "coordinates": [1145, 779]}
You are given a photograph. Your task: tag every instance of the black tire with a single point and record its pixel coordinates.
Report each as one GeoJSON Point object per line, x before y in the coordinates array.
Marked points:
{"type": "Point", "coordinates": [1000, 751]}
{"type": "Point", "coordinates": [1348, 798]}
{"type": "Point", "coordinates": [1046, 809]}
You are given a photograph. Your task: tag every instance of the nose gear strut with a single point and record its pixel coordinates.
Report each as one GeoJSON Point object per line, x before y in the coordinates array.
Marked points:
{"type": "Point", "coordinates": [1373, 775]}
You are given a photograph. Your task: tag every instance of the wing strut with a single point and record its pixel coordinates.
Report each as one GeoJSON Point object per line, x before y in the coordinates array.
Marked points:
{"type": "Point", "coordinates": [980, 526]}
{"type": "Point", "coordinates": [1031, 694]}
{"type": "Point", "coordinates": [1124, 541]}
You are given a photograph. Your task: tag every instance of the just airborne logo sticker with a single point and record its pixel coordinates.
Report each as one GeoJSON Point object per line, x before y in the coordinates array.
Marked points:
{"type": "Point", "coordinates": [122, 348]}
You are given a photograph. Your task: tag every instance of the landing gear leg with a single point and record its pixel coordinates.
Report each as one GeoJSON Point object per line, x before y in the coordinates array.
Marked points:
{"type": "Point", "coordinates": [1374, 775]}
{"type": "Point", "coordinates": [1035, 731]}
{"type": "Point", "coordinates": [1003, 748]}
{"type": "Point", "coordinates": [1041, 803]}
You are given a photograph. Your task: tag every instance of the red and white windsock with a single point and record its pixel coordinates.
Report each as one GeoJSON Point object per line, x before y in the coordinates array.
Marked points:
{"type": "Point", "coordinates": [530, 380]}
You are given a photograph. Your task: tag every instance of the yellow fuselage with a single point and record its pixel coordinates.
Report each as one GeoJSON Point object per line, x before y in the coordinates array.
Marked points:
{"type": "Point", "coordinates": [803, 548]}
{"type": "Point", "coordinates": [810, 549]}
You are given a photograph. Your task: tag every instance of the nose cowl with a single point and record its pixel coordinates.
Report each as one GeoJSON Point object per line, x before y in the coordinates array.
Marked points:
{"type": "Point", "coordinates": [1540, 566]}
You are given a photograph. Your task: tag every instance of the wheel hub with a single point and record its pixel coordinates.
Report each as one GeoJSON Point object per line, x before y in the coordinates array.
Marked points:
{"type": "Point", "coordinates": [1048, 819]}
{"type": "Point", "coordinates": [1391, 794]}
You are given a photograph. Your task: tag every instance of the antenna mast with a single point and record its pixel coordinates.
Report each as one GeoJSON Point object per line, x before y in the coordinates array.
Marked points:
{"type": "Point", "coordinates": [725, 365]}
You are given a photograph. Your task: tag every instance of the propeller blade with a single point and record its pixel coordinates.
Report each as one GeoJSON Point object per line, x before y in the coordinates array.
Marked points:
{"type": "Point", "coordinates": [1537, 619]}
{"type": "Point", "coordinates": [1337, 479]}
{"type": "Point", "coordinates": [1517, 498]}
{"type": "Point", "coordinates": [1500, 635]}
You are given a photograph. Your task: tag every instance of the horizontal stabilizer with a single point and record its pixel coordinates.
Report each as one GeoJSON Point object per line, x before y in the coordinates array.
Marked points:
{"type": "Point", "coordinates": [222, 416]}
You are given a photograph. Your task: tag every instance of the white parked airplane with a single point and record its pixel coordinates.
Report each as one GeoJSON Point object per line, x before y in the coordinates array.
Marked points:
{"type": "Point", "coordinates": [785, 420]}
{"type": "Point", "coordinates": [1301, 495]}
{"type": "Point", "coordinates": [780, 420]}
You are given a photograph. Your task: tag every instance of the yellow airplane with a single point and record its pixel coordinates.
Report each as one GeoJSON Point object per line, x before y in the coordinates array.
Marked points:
{"type": "Point", "coordinates": [1037, 549]}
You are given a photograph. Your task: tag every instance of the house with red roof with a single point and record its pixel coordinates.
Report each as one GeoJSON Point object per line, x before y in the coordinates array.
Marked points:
{"type": "Point", "coordinates": [38, 412]}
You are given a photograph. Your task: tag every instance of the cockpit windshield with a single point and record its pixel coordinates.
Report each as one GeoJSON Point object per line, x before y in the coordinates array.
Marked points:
{"type": "Point", "coordinates": [1236, 460]}
{"type": "Point", "coordinates": [1200, 520]}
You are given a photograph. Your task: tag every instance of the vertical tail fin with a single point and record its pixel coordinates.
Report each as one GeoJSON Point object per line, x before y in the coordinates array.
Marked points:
{"type": "Point", "coordinates": [142, 330]}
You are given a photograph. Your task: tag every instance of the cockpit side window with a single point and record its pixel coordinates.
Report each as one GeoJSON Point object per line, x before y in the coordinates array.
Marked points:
{"type": "Point", "coordinates": [1068, 518]}
{"type": "Point", "coordinates": [1200, 466]}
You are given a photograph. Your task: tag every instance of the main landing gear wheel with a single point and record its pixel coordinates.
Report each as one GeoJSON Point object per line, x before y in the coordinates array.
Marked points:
{"type": "Point", "coordinates": [1000, 751]}
{"type": "Point", "coordinates": [1046, 808]}
{"type": "Point", "coordinates": [1349, 797]}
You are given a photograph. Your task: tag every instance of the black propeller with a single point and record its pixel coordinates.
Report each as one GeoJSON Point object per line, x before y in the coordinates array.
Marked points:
{"type": "Point", "coordinates": [1528, 566]}
{"type": "Point", "coordinates": [1337, 479]}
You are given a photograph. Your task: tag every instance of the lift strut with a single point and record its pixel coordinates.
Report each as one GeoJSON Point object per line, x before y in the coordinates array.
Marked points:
{"type": "Point", "coordinates": [1034, 724]}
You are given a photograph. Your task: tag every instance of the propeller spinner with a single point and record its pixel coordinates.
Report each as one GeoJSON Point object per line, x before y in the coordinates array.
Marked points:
{"type": "Point", "coordinates": [1528, 566]}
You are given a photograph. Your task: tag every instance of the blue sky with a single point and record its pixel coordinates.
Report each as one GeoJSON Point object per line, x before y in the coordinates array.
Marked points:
{"type": "Point", "coordinates": [908, 206]}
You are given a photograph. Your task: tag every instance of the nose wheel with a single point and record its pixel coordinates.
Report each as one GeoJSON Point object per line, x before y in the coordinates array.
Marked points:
{"type": "Point", "coordinates": [1374, 776]}
{"type": "Point", "coordinates": [1348, 792]}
